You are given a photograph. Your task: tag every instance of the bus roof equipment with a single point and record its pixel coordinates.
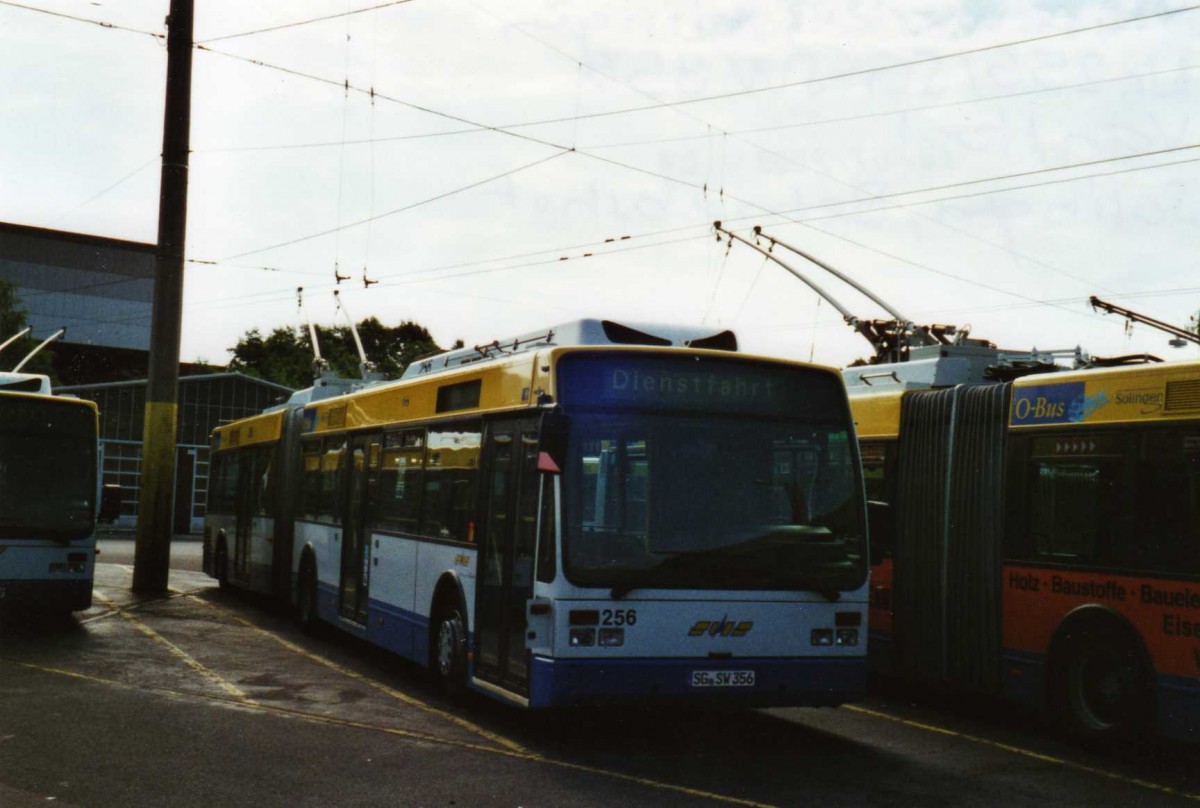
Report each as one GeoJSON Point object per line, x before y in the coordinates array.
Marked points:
{"type": "Point", "coordinates": [577, 332]}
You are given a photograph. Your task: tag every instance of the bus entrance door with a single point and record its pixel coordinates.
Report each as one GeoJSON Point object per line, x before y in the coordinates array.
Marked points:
{"type": "Point", "coordinates": [506, 571]}
{"type": "Point", "coordinates": [362, 471]}
{"type": "Point", "coordinates": [246, 506]}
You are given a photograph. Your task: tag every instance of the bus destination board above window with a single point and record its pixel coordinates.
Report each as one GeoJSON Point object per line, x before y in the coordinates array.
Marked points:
{"type": "Point", "coordinates": [694, 384]}
{"type": "Point", "coordinates": [42, 415]}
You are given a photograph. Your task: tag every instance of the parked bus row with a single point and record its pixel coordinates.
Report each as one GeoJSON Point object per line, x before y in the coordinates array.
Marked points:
{"type": "Point", "coordinates": [579, 520]}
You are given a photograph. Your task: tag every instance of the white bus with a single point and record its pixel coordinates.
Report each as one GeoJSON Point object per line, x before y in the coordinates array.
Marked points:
{"type": "Point", "coordinates": [49, 497]}
{"type": "Point", "coordinates": [569, 518]}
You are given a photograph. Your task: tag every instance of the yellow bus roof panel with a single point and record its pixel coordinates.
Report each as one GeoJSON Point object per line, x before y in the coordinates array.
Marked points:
{"type": "Point", "coordinates": [264, 428]}
{"type": "Point", "coordinates": [501, 385]}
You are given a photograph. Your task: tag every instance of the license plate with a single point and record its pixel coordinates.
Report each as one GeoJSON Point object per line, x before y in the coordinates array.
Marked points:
{"type": "Point", "coordinates": [722, 678]}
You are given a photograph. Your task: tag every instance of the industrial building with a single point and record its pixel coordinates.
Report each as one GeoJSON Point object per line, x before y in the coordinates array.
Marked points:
{"type": "Point", "coordinates": [102, 291]}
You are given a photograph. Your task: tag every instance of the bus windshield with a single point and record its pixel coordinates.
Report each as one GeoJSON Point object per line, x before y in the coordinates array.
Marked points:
{"type": "Point", "coordinates": [711, 502]}
{"type": "Point", "coordinates": [47, 469]}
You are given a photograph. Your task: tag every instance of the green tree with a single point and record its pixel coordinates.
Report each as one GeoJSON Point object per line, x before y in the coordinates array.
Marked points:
{"type": "Point", "coordinates": [285, 355]}
{"type": "Point", "coordinates": [13, 319]}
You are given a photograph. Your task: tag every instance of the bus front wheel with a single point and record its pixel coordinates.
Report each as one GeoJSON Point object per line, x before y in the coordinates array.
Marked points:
{"type": "Point", "coordinates": [450, 650]}
{"type": "Point", "coordinates": [1102, 683]}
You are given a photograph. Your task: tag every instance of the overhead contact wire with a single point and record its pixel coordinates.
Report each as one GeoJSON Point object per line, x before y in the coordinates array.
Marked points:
{"type": "Point", "coordinates": [299, 23]}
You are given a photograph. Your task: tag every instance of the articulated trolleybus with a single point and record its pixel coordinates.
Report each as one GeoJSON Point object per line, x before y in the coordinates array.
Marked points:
{"type": "Point", "coordinates": [48, 497]}
{"type": "Point", "coordinates": [1045, 544]}
{"type": "Point", "coordinates": [596, 514]}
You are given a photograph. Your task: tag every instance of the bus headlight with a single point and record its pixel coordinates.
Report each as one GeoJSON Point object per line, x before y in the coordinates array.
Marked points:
{"type": "Point", "coordinates": [582, 637]}
{"type": "Point", "coordinates": [847, 636]}
{"type": "Point", "coordinates": [822, 636]}
{"type": "Point", "coordinates": [612, 637]}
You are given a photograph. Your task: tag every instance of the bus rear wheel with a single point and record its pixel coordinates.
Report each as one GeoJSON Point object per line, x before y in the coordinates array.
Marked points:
{"type": "Point", "coordinates": [449, 661]}
{"type": "Point", "coordinates": [1103, 687]}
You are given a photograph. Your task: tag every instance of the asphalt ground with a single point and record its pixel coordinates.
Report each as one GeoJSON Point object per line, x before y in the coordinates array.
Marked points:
{"type": "Point", "coordinates": [186, 700]}
{"type": "Point", "coordinates": [202, 697]}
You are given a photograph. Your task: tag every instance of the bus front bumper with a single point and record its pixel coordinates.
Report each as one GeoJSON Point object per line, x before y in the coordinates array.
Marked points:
{"type": "Point", "coordinates": [35, 596]}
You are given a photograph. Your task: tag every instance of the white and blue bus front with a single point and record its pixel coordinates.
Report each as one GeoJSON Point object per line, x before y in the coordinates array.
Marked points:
{"type": "Point", "coordinates": [709, 535]}
{"type": "Point", "coordinates": [48, 492]}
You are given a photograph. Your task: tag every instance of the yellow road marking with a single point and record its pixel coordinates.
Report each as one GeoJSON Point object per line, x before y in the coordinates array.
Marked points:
{"type": "Point", "coordinates": [396, 694]}
{"type": "Point", "coordinates": [1028, 753]}
{"type": "Point", "coordinates": [178, 652]}
{"type": "Point", "coordinates": [513, 754]}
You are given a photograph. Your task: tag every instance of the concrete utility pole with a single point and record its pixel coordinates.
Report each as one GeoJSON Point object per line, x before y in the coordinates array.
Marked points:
{"type": "Point", "coordinates": [152, 552]}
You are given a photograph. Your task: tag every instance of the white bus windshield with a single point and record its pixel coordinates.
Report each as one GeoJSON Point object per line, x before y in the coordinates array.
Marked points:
{"type": "Point", "coordinates": [704, 500]}
{"type": "Point", "coordinates": [47, 469]}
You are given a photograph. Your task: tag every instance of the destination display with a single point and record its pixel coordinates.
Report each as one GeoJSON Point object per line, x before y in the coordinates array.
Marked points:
{"type": "Point", "coordinates": [26, 415]}
{"type": "Point", "coordinates": [691, 383]}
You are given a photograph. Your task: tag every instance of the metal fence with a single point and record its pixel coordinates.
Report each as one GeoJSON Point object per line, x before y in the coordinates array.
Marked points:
{"type": "Point", "coordinates": [204, 402]}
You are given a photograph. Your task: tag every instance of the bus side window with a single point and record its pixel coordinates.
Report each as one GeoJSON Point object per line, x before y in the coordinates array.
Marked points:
{"type": "Point", "coordinates": [546, 561]}
{"type": "Point", "coordinates": [451, 479]}
{"type": "Point", "coordinates": [216, 477]}
{"type": "Point", "coordinates": [1168, 500]}
{"type": "Point", "coordinates": [331, 479]}
{"type": "Point", "coordinates": [229, 489]}
{"type": "Point", "coordinates": [264, 482]}
{"type": "Point", "coordinates": [877, 461]}
{"type": "Point", "coordinates": [400, 480]}
{"type": "Point", "coordinates": [311, 482]}
{"type": "Point", "coordinates": [1076, 495]}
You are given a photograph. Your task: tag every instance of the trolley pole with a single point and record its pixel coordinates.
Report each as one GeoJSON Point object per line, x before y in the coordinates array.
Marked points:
{"type": "Point", "coordinates": [152, 551]}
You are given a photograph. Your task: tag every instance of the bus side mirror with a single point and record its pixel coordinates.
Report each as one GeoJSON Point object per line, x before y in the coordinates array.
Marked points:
{"type": "Point", "coordinates": [110, 503]}
{"type": "Point", "coordinates": [552, 443]}
{"type": "Point", "coordinates": [881, 524]}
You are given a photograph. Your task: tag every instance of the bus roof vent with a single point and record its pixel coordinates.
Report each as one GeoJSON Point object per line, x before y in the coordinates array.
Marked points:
{"type": "Point", "coordinates": [1183, 395]}
{"type": "Point", "coordinates": [25, 383]}
{"type": "Point", "coordinates": [578, 332]}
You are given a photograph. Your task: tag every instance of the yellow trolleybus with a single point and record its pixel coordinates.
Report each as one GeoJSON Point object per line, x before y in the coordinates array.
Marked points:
{"type": "Point", "coordinates": [1043, 541]}
{"type": "Point", "coordinates": [593, 514]}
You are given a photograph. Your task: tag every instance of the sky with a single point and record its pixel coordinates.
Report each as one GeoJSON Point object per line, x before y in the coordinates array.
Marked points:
{"type": "Point", "coordinates": [497, 168]}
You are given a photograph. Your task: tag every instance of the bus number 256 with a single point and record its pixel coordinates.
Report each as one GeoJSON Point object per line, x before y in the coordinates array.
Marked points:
{"type": "Point", "coordinates": [618, 617]}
